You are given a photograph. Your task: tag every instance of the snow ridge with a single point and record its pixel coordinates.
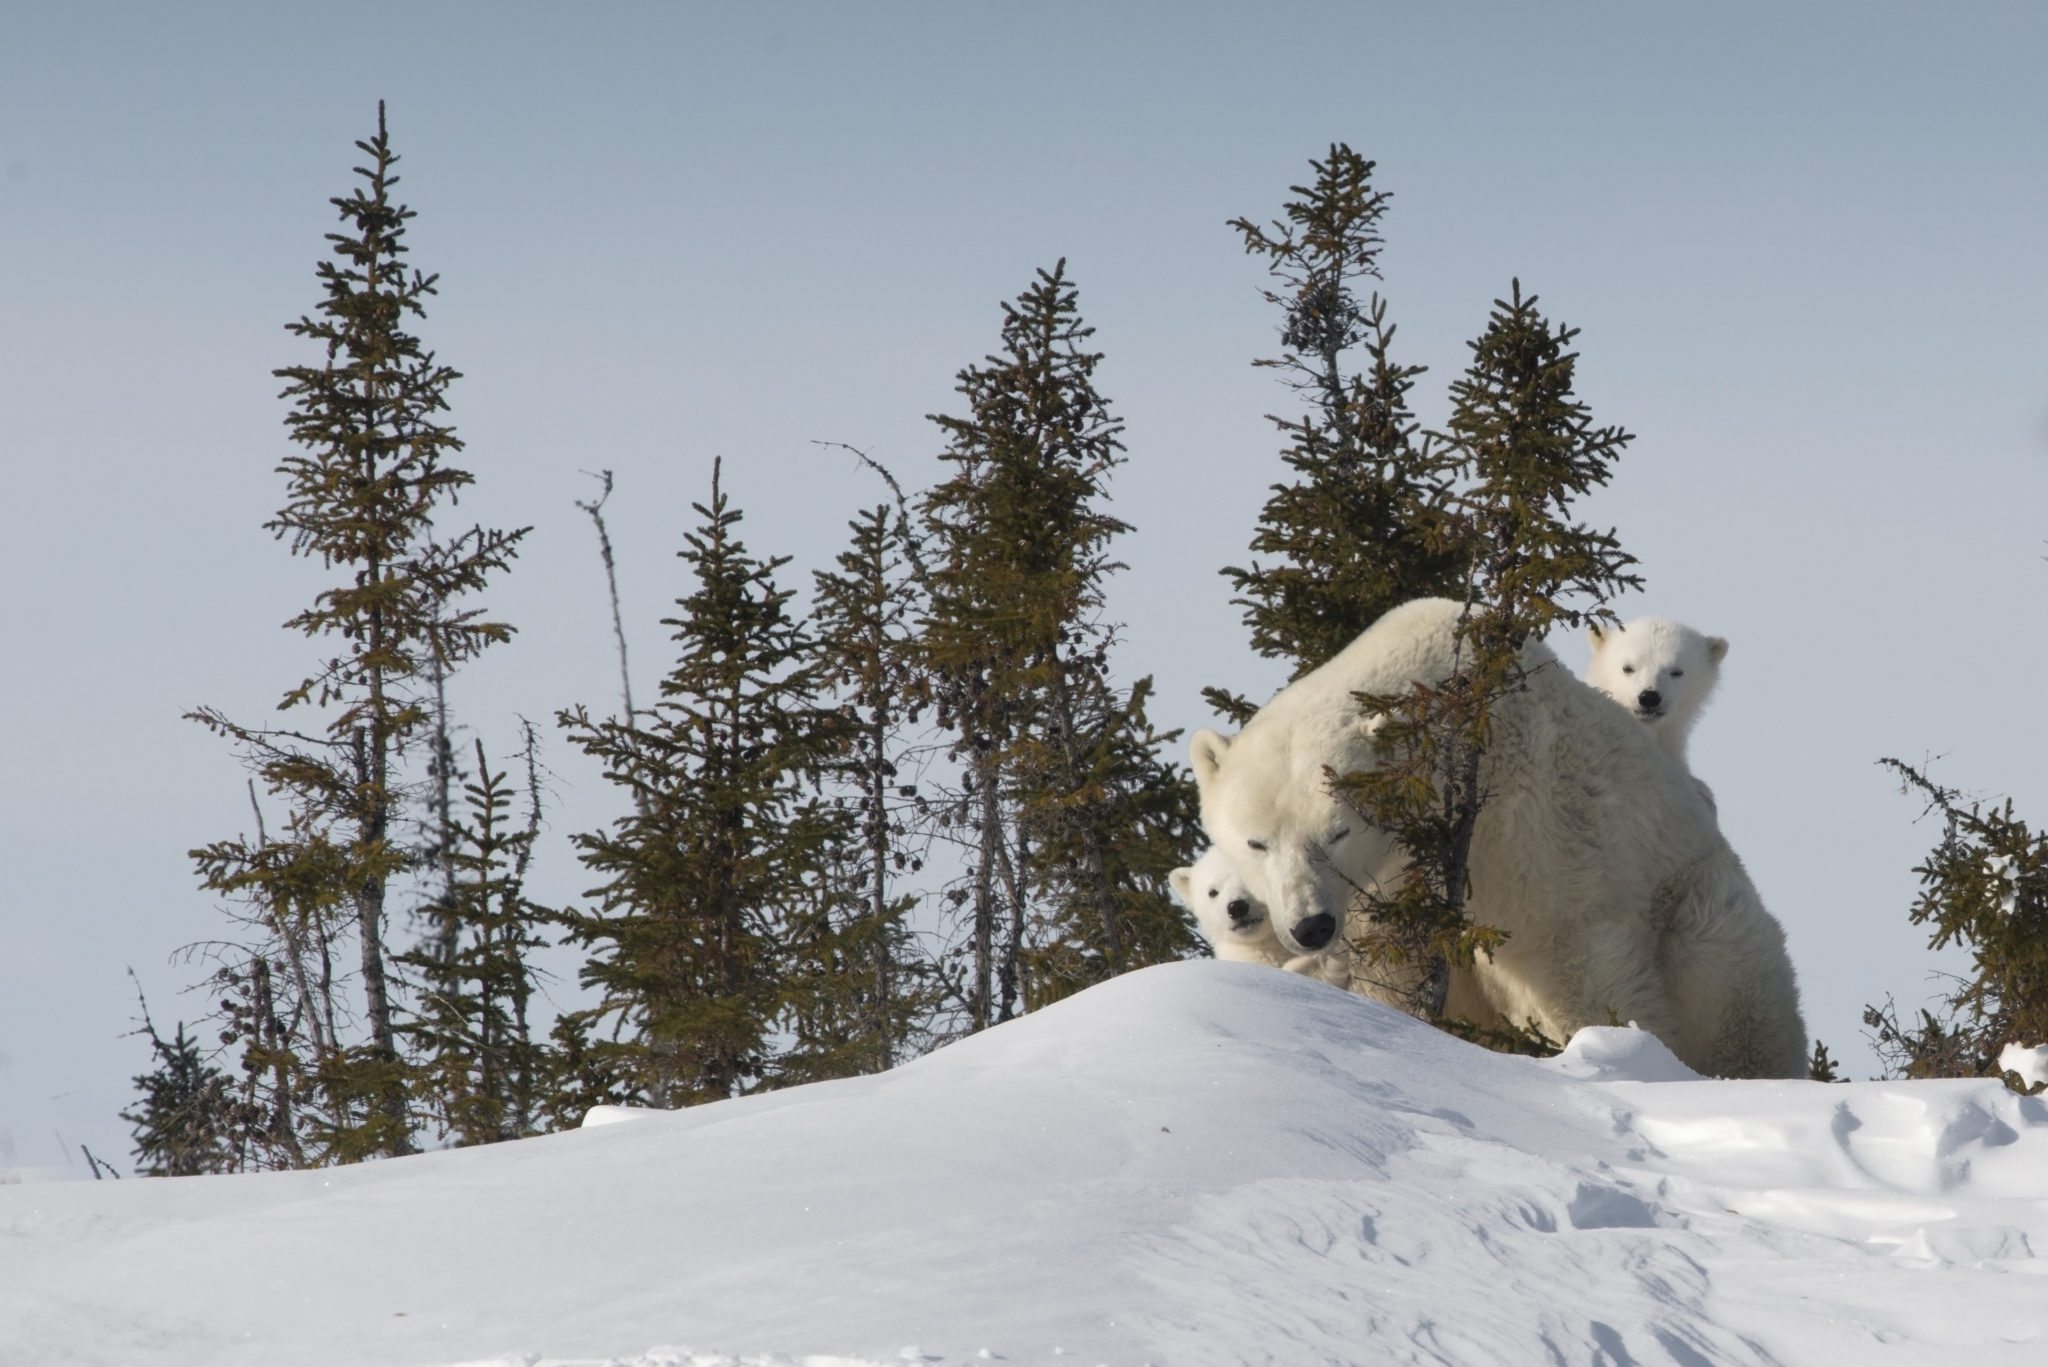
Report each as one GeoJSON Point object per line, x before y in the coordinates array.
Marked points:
{"type": "Point", "coordinates": [1199, 1163]}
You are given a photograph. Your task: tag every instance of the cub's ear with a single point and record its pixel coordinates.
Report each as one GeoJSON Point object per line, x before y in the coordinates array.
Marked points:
{"type": "Point", "coordinates": [1597, 636]}
{"type": "Point", "coordinates": [1183, 881]}
{"type": "Point", "coordinates": [1717, 649]}
{"type": "Point", "coordinates": [1206, 749]}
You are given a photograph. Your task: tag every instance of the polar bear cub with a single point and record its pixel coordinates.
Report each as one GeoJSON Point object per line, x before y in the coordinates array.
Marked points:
{"type": "Point", "coordinates": [1662, 671]}
{"type": "Point", "coordinates": [1235, 926]}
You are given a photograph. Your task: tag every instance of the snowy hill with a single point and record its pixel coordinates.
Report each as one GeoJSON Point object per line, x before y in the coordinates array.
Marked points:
{"type": "Point", "coordinates": [1203, 1163]}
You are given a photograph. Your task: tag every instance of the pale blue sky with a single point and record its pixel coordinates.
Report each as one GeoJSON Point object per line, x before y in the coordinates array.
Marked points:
{"type": "Point", "coordinates": [1804, 244]}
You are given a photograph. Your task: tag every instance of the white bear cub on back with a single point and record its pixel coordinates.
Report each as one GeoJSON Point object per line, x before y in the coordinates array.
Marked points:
{"type": "Point", "coordinates": [1660, 670]}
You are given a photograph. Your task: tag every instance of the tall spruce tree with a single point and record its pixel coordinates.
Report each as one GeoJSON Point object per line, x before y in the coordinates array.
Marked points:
{"type": "Point", "coordinates": [1071, 820]}
{"type": "Point", "coordinates": [363, 492]}
{"type": "Point", "coordinates": [860, 992]}
{"type": "Point", "coordinates": [727, 839]}
{"type": "Point", "coordinates": [1352, 534]}
{"type": "Point", "coordinates": [1521, 447]}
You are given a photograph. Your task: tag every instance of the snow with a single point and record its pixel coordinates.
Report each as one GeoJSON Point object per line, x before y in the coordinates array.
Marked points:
{"type": "Point", "coordinates": [614, 1115]}
{"type": "Point", "coordinates": [1201, 1163]}
{"type": "Point", "coordinates": [2000, 868]}
{"type": "Point", "coordinates": [2031, 1063]}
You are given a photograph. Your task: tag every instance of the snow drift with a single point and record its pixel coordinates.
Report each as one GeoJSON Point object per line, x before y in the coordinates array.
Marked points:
{"type": "Point", "coordinates": [1201, 1163]}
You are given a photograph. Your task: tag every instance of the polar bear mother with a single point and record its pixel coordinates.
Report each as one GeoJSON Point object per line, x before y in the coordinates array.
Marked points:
{"type": "Point", "coordinates": [1594, 851]}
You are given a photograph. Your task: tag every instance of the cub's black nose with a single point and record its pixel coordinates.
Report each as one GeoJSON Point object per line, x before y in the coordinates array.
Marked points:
{"type": "Point", "coordinates": [1649, 699]}
{"type": "Point", "coordinates": [1315, 931]}
{"type": "Point", "coordinates": [1240, 911]}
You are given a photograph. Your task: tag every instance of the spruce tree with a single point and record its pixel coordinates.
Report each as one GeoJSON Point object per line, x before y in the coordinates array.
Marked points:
{"type": "Point", "coordinates": [364, 489]}
{"type": "Point", "coordinates": [1106, 820]}
{"type": "Point", "coordinates": [1350, 536]}
{"type": "Point", "coordinates": [1071, 820]}
{"type": "Point", "coordinates": [482, 1074]}
{"type": "Point", "coordinates": [726, 839]}
{"type": "Point", "coordinates": [1531, 450]}
{"type": "Point", "coordinates": [1520, 448]}
{"type": "Point", "coordinates": [1984, 887]}
{"type": "Point", "coordinates": [859, 991]}
{"type": "Point", "coordinates": [186, 1122]}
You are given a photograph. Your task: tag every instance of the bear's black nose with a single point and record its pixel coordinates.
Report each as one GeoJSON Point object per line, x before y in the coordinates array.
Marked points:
{"type": "Point", "coordinates": [1240, 911]}
{"type": "Point", "coordinates": [1315, 931]}
{"type": "Point", "coordinates": [1649, 699]}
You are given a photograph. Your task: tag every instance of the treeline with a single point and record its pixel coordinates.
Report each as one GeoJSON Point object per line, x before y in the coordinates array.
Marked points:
{"type": "Point", "coordinates": [850, 832]}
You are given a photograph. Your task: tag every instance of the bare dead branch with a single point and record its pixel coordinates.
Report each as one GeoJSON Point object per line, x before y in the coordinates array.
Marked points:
{"type": "Point", "coordinates": [611, 578]}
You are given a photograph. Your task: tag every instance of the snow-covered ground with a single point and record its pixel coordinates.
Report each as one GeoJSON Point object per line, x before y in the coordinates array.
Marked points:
{"type": "Point", "coordinates": [1202, 1163]}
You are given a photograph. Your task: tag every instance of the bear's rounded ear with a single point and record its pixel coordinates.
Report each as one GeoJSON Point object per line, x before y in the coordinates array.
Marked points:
{"type": "Point", "coordinates": [1183, 881]}
{"type": "Point", "coordinates": [1717, 649]}
{"type": "Point", "coordinates": [1596, 636]}
{"type": "Point", "coordinates": [1206, 749]}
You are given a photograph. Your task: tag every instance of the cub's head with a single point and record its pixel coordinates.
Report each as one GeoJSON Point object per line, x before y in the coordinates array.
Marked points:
{"type": "Point", "coordinates": [1660, 670]}
{"type": "Point", "coordinates": [1225, 911]}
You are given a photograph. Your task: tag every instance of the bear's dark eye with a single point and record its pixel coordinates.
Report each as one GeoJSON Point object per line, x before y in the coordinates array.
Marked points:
{"type": "Point", "coordinates": [1258, 845]}
{"type": "Point", "coordinates": [1339, 835]}
{"type": "Point", "coordinates": [1213, 891]}
{"type": "Point", "coordinates": [1628, 669]}
{"type": "Point", "coordinates": [1677, 673]}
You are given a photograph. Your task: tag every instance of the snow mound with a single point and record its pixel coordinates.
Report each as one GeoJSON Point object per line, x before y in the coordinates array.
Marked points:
{"type": "Point", "coordinates": [1201, 1163]}
{"type": "Point", "coordinates": [1605, 1054]}
{"type": "Point", "coordinates": [614, 1115]}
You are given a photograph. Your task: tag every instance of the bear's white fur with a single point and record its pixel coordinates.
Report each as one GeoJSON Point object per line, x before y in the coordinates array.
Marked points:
{"type": "Point", "coordinates": [1595, 852]}
{"type": "Point", "coordinates": [1239, 930]}
{"type": "Point", "coordinates": [1236, 925]}
{"type": "Point", "coordinates": [1662, 671]}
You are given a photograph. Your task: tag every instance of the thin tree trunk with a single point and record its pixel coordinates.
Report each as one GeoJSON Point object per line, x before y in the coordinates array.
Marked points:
{"type": "Point", "coordinates": [878, 900]}
{"type": "Point", "coordinates": [373, 771]}
{"type": "Point", "coordinates": [1010, 969]}
{"type": "Point", "coordinates": [984, 898]}
{"type": "Point", "coordinates": [522, 987]}
{"type": "Point", "coordinates": [317, 1010]}
{"type": "Point", "coordinates": [283, 1128]}
{"type": "Point", "coordinates": [1332, 379]}
{"type": "Point", "coordinates": [731, 930]}
{"type": "Point", "coordinates": [447, 932]}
